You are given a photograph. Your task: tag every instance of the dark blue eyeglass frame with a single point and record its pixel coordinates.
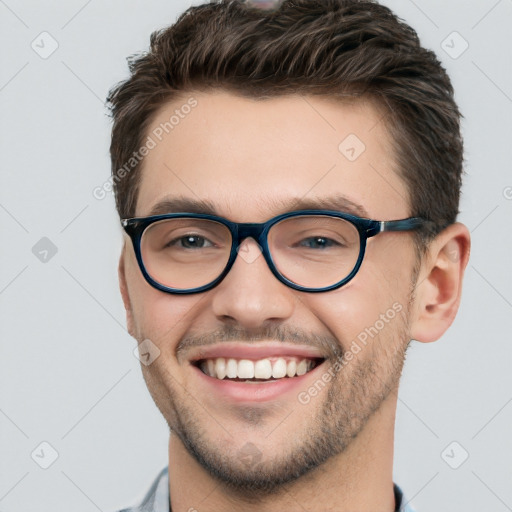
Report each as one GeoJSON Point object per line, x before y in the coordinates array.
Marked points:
{"type": "Point", "coordinates": [367, 228]}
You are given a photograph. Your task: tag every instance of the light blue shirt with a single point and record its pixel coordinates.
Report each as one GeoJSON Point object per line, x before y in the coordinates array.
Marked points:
{"type": "Point", "coordinates": [157, 498]}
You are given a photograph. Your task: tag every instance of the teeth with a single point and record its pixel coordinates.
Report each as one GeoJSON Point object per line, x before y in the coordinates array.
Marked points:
{"type": "Point", "coordinates": [264, 369]}
{"type": "Point", "coordinates": [220, 367]}
{"type": "Point", "coordinates": [302, 367]}
{"type": "Point", "coordinates": [279, 368]}
{"type": "Point", "coordinates": [245, 369]}
{"type": "Point", "coordinates": [291, 368]}
{"type": "Point", "coordinates": [231, 369]}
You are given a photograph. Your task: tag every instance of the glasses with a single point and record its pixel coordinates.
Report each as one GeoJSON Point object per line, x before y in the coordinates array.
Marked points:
{"type": "Point", "coordinates": [307, 250]}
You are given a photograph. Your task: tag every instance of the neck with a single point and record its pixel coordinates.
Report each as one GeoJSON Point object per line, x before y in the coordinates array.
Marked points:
{"type": "Point", "coordinates": [357, 480]}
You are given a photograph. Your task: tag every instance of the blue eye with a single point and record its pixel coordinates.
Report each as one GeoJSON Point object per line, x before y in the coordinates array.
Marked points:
{"type": "Point", "coordinates": [318, 242]}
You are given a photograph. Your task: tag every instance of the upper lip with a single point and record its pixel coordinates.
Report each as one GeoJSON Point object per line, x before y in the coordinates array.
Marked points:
{"type": "Point", "coordinates": [257, 350]}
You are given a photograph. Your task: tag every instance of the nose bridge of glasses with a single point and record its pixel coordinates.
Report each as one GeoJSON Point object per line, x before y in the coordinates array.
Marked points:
{"type": "Point", "coordinates": [249, 230]}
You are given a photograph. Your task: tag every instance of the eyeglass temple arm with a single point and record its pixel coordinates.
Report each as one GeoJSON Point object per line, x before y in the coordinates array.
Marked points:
{"type": "Point", "coordinates": [405, 224]}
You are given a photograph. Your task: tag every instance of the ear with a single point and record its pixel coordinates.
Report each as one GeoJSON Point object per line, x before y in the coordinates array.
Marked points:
{"type": "Point", "coordinates": [439, 286]}
{"type": "Point", "coordinates": [121, 270]}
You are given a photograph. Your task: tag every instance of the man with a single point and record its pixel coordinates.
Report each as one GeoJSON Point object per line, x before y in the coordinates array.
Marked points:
{"type": "Point", "coordinates": [288, 181]}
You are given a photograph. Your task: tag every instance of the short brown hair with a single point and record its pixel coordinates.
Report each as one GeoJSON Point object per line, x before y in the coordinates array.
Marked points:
{"type": "Point", "coordinates": [331, 48]}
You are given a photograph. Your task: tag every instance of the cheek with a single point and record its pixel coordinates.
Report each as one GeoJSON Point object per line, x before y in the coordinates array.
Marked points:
{"type": "Point", "coordinates": [163, 318]}
{"type": "Point", "coordinates": [377, 294]}
{"type": "Point", "coordinates": [348, 311]}
{"type": "Point", "coordinates": [158, 316]}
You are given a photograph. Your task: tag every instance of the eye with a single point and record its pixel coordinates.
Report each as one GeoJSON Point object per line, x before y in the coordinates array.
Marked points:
{"type": "Point", "coordinates": [317, 242]}
{"type": "Point", "coordinates": [190, 242]}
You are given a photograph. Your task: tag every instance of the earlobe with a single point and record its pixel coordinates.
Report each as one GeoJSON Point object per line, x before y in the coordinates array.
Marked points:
{"type": "Point", "coordinates": [123, 287]}
{"type": "Point", "coordinates": [439, 286]}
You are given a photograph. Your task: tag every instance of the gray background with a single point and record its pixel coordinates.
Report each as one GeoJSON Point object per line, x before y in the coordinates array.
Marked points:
{"type": "Point", "coordinates": [67, 372]}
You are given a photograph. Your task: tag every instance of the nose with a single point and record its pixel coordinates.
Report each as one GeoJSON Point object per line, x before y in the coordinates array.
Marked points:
{"type": "Point", "coordinates": [250, 295]}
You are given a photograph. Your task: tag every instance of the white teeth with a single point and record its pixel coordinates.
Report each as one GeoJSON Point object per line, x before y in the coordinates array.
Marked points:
{"type": "Point", "coordinates": [231, 369]}
{"type": "Point", "coordinates": [245, 369]}
{"type": "Point", "coordinates": [279, 368]}
{"type": "Point", "coordinates": [302, 367]}
{"type": "Point", "coordinates": [263, 369]}
{"type": "Point", "coordinates": [220, 367]}
{"type": "Point", "coordinates": [291, 368]}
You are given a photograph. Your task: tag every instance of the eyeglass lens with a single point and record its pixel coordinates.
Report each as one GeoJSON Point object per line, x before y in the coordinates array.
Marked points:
{"type": "Point", "coordinates": [312, 251]}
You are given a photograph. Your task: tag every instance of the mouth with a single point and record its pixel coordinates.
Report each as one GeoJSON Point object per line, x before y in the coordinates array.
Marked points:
{"type": "Point", "coordinates": [247, 374]}
{"type": "Point", "coordinates": [269, 369]}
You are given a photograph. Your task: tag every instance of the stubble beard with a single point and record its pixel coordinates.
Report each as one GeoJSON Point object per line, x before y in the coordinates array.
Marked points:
{"type": "Point", "coordinates": [354, 394]}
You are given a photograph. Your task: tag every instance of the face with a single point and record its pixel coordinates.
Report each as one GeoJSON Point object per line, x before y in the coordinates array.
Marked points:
{"type": "Point", "coordinates": [252, 160]}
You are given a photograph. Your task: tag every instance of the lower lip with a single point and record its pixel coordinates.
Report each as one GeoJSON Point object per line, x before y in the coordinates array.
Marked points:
{"type": "Point", "coordinates": [255, 392]}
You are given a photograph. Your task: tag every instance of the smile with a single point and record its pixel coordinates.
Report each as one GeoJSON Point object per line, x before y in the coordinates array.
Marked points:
{"type": "Point", "coordinates": [258, 372]}
{"type": "Point", "coordinates": [267, 369]}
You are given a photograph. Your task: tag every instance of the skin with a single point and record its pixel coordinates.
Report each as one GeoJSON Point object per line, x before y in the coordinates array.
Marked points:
{"type": "Point", "coordinates": [253, 160]}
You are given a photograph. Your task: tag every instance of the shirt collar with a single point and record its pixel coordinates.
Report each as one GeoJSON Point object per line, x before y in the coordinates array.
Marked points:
{"type": "Point", "coordinates": [157, 499]}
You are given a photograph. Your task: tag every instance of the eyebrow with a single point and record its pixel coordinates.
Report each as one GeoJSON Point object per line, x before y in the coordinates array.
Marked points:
{"type": "Point", "coordinates": [183, 205]}
{"type": "Point", "coordinates": [337, 203]}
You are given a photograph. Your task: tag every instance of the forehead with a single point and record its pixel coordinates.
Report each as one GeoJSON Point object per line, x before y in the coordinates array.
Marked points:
{"type": "Point", "coordinates": [252, 159]}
